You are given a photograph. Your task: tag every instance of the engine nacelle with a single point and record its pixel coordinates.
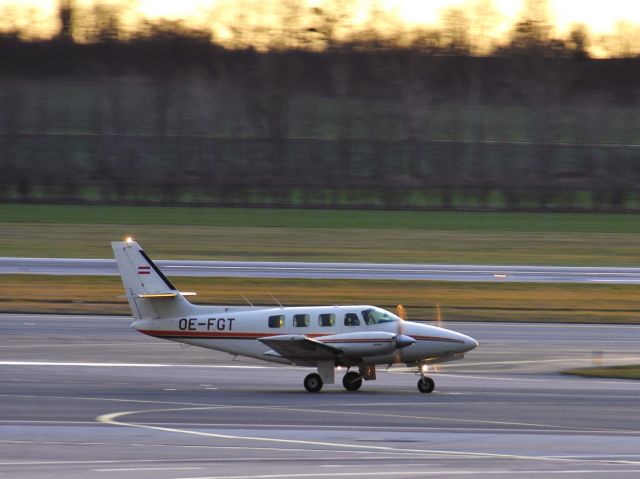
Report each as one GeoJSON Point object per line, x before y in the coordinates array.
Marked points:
{"type": "Point", "coordinates": [362, 344]}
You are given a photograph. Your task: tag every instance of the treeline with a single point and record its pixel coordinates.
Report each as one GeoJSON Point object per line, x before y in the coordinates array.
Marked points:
{"type": "Point", "coordinates": [171, 117]}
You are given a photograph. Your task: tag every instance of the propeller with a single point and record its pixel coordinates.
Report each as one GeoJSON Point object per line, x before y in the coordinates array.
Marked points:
{"type": "Point", "coordinates": [439, 322]}
{"type": "Point", "coordinates": [402, 313]}
{"type": "Point", "coordinates": [400, 329]}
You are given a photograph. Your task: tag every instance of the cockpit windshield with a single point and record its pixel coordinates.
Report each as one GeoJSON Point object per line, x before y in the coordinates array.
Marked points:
{"type": "Point", "coordinates": [377, 316]}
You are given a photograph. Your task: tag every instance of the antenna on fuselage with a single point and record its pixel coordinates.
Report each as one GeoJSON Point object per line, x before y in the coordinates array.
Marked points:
{"type": "Point", "coordinates": [276, 300]}
{"type": "Point", "coordinates": [247, 300]}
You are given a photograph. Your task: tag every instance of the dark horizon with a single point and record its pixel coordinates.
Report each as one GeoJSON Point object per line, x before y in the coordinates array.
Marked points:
{"type": "Point", "coordinates": [173, 118]}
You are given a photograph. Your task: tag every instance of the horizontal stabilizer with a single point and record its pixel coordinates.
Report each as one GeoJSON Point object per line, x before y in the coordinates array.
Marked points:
{"type": "Point", "coordinates": [165, 294]}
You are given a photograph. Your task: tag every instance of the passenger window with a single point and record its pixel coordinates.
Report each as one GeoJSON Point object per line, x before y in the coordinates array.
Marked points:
{"type": "Point", "coordinates": [327, 320]}
{"type": "Point", "coordinates": [276, 321]}
{"type": "Point", "coordinates": [351, 319]}
{"type": "Point", "coordinates": [301, 320]}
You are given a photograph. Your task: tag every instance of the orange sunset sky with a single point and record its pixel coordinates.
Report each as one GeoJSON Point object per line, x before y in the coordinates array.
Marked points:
{"type": "Point", "coordinates": [38, 18]}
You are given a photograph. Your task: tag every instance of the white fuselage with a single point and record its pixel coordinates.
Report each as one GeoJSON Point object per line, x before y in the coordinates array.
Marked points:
{"type": "Point", "coordinates": [237, 330]}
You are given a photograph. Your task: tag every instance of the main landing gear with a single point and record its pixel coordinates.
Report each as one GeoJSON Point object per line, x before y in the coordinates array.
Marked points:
{"type": "Point", "coordinates": [313, 383]}
{"type": "Point", "coordinates": [426, 384]}
{"type": "Point", "coordinates": [352, 381]}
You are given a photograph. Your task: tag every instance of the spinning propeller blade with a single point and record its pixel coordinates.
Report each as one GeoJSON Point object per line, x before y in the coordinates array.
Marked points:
{"type": "Point", "coordinates": [402, 314]}
{"type": "Point", "coordinates": [440, 324]}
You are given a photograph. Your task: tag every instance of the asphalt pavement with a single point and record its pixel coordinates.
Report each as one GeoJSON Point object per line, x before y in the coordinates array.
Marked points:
{"type": "Point", "coordinates": [87, 396]}
{"type": "Point", "coordinates": [248, 269]}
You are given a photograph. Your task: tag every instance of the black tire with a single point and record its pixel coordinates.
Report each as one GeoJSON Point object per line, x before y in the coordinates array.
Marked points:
{"type": "Point", "coordinates": [426, 385]}
{"type": "Point", "coordinates": [313, 383]}
{"type": "Point", "coordinates": [352, 381]}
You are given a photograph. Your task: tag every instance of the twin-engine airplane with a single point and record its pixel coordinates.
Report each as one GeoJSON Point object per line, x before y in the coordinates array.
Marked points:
{"type": "Point", "coordinates": [325, 337]}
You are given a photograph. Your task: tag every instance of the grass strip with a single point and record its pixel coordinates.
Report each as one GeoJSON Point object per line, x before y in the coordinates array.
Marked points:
{"type": "Point", "coordinates": [319, 218]}
{"type": "Point", "coordinates": [614, 372]}
{"type": "Point", "coordinates": [459, 301]}
{"type": "Point", "coordinates": [323, 244]}
{"type": "Point", "coordinates": [322, 235]}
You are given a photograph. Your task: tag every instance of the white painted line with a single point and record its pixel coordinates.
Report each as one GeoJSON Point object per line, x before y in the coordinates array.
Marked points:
{"type": "Point", "coordinates": [44, 421]}
{"type": "Point", "coordinates": [132, 365]}
{"type": "Point", "coordinates": [418, 464]}
{"type": "Point", "coordinates": [443, 473]}
{"type": "Point", "coordinates": [117, 461]}
{"type": "Point", "coordinates": [128, 342]}
{"type": "Point", "coordinates": [318, 455]}
{"type": "Point", "coordinates": [540, 361]}
{"type": "Point", "coordinates": [113, 419]}
{"type": "Point", "coordinates": [133, 469]}
{"type": "Point", "coordinates": [277, 427]}
{"type": "Point", "coordinates": [547, 427]}
{"type": "Point", "coordinates": [564, 379]}
{"type": "Point", "coordinates": [117, 400]}
{"type": "Point", "coordinates": [623, 281]}
{"type": "Point", "coordinates": [503, 325]}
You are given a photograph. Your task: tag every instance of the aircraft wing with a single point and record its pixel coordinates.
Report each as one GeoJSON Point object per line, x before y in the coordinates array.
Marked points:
{"type": "Point", "coordinates": [299, 349]}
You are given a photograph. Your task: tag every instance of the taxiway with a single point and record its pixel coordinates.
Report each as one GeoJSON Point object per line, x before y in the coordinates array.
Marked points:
{"type": "Point", "coordinates": [254, 269]}
{"type": "Point", "coordinates": [89, 397]}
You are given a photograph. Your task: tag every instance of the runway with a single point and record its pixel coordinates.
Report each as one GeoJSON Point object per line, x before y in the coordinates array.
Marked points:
{"type": "Point", "coordinates": [89, 397]}
{"type": "Point", "coordinates": [247, 269]}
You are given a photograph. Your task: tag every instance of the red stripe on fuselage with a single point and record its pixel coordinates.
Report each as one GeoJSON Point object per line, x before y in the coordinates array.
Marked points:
{"type": "Point", "coordinates": [256, 335]}
{"type": "Point", "coordinates": [214, 334]}
{"type": "Point", "coordinates": [205, 334]}
{"type": "Point", "coordinates": [436, 338]}
{"type": "Point", "coordinates": [335, 341]}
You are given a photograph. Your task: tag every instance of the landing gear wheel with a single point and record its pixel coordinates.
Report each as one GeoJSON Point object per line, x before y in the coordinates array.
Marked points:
{"type": "Point", "coordinates": [426, 385]}
{"type": "Point", "coordinates": [313, 383]}
{"type": "Point", "coordinates": [352, 381]}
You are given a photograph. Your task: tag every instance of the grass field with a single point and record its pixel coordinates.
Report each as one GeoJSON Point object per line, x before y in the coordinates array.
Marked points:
{"type": "Point", "coordinates": [321, 235]}
{"type": "Point", "coordinates": [459, 301]}
{"type": "Point", "coordinates": [615, 372]}
{"type": "Point", "coordinates": [318, 218]}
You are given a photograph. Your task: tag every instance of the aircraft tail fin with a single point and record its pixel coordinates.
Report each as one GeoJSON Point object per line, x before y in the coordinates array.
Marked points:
{"type": "Point", "coordinates": [150, 294]}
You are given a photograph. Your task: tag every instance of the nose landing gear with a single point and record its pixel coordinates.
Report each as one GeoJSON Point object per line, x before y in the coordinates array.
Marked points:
{"type": "Point", "coordinates": [352, 381]}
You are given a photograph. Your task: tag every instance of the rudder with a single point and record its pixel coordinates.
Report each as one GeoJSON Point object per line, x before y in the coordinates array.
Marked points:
{"type": "Point", "coordinates": [150, 294]}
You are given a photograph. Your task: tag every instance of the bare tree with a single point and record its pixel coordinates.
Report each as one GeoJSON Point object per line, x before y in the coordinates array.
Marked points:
{"type": "Point", "coordinates": [538, 73]}
{"type": "Point", "coordinates": [66, 14]}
